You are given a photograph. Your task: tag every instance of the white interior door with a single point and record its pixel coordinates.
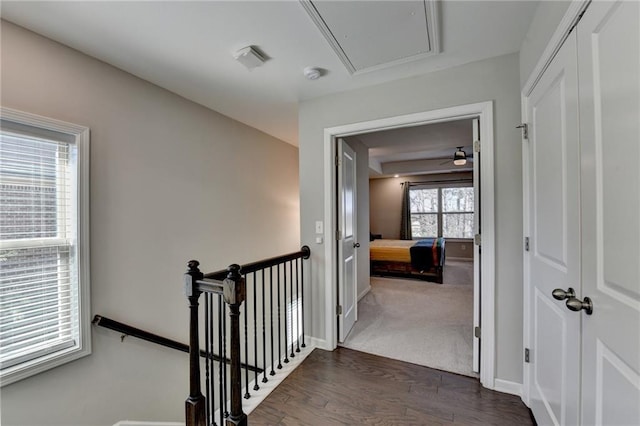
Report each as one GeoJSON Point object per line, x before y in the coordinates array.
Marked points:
{"type": "Point", "coordinates": [554, 256]}
{"type": "Point", "coordinates": [347, 244]}
{"type": "Point", "coordinates": [476, 247]}
{"type": "Point", "coordinates": [609, 64]}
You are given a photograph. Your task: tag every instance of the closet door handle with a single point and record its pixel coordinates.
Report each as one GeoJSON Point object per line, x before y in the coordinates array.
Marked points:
{"type": "Point", "coordinates": [577, 305]}
{"type": "Point", "coordinates": [560, 294]}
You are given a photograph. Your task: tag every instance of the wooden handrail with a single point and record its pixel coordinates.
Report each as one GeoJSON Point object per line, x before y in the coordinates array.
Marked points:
{"type": "Point", "coordinates": [303, 253]}
{"type": "Point", "coordinates": [128, 330]}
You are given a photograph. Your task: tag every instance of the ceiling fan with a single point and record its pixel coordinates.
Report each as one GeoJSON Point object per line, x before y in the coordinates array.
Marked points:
{"type": "Point", "coordinates": [459, 158]}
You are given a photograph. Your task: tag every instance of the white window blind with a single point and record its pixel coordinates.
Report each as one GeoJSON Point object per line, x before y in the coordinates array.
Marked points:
{"type": "Point", "coordinates": [40, 300]}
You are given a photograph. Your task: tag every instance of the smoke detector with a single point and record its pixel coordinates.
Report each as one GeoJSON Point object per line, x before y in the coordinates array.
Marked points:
{"type": "Point", "coordinates": [249, 57]}
{"type": "Point", "coordinates": [312, 73]}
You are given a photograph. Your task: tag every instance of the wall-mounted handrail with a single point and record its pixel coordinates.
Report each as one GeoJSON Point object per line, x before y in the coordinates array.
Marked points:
{"type": "Point", "coordinates": [128, 330]}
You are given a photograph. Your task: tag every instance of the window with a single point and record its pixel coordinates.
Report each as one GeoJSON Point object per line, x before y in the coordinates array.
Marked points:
{"type": "Point", "coordinates": [442, 212]}
{"type": "Point", "coordinates": [44, 257]}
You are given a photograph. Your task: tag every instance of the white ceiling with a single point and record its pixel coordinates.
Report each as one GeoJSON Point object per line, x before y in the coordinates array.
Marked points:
{"type": "Point", "coordinates": [186, 47]}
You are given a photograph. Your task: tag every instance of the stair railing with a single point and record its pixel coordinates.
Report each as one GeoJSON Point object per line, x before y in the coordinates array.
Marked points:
{"type": "Point", "coordinates": [227, 290]}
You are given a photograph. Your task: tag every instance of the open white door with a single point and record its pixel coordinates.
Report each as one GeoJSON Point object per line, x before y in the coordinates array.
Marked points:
{"type": "Point", "coordinates": [476, 247]}
{"type": "Point", "coordinates": [609, 71]}
{"type": "Point", "coordinates": [347, 243]}
{"type": "Point", "coordinates": [553, 366]}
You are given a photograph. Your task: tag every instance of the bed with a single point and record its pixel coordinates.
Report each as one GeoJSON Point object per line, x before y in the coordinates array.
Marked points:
{"type": "Point", "coordinates": [422, 259]}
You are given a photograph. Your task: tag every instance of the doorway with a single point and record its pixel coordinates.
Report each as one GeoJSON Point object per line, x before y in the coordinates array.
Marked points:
{"type": "Point", "coordinates": [487, 265]}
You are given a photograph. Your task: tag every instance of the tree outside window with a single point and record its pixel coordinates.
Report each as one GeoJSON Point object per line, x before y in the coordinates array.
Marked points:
{"type": "Point", "coordinates": [442, 212]}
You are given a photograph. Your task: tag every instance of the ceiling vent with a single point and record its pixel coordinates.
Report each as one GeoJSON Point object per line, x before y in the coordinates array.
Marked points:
{"type": "Point", "coordinates": [250, 57]}
{"type": "Point", "coordinates": [371, 35]}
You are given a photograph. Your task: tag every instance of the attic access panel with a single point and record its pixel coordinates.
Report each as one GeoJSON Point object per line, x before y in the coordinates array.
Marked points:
{"type": "Point", "coordinates": [369, 35]}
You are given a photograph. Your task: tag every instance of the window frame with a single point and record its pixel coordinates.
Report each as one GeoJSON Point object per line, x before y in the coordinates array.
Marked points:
{"type": "Point", "coordinates": [79, 136]}
{"type": "Point", "coordinates": [440, 213]}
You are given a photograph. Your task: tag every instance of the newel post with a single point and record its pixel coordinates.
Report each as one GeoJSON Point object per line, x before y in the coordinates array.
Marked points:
{"type": "Point", "coordinates": [195, 403]}
{"type": "Point", "coordinates": [234, 295]}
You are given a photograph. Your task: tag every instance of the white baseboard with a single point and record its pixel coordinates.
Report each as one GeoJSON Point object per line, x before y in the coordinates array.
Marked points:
{"type": "Point", "coordinates": [248, 405]}
{"type": "Point", "coordinates": [364, 292]}
{"type": "Point", "coordinates": [505, 386]}
{"type": "Point", "coordinates": [465, 259]}
{"type": "Point", "coordinates": [317, 343]}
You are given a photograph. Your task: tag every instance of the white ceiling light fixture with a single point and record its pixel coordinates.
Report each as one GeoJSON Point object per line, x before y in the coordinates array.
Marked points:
{"type": "Point", "coordinates": [312, 73]}
{"type": "Point", "coordinates": [249, 57]}
{"type": "Point", "coordinates": [459, 157]}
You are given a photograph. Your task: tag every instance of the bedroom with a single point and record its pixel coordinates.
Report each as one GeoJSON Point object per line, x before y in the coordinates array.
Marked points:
{"type": "Point", "coordinates": [416, 193]}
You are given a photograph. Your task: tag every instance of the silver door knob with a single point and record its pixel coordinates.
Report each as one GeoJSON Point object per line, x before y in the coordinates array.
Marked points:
{"type": "Point", "coordinates": [560, 294]}
{"type": "Point", "coordinates": [356, 245]}
{"type": "Point", "coordinates": [576, 305]}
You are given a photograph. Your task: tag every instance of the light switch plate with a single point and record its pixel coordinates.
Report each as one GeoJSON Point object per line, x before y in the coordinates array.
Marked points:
{"type": "Point", "coordinates": [319, 227]}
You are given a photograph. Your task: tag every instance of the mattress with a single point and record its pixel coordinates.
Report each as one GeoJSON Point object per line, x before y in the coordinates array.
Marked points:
{"type": "Point", "coordinates": [391, 250]}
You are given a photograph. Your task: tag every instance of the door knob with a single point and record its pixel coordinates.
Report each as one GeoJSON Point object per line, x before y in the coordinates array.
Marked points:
{"type": "Point", "coordinates": [576, 305]}
{"type": "Point", "coordinates": [560, 294]}
{"type": "Point", "coordinates": [356, 245]}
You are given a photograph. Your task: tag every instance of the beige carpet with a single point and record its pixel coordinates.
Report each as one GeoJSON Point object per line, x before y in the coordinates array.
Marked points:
{"type": "Point", "coordinates": [418, 321]}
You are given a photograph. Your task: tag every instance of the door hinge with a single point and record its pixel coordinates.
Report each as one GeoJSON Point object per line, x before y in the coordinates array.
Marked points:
{"type": "Point", "coordinates": [477, 239]}
{"type": "Point", "coordinates": [526, 243]}
{"type": "Point", "coordinates": [476, 146]}
{"type": "Point", "coordinates": [338, 235]}
{"type": "Point", "coordinates": [526, 355]}
{"type": "Point", "coordinates": [525, 130]}
{"type": "Point", "coordinates": [339, 310]}
{"type": "Point", "coordinates": [337, 161]}
{"type": "Point", "coordinates": [477, 332]}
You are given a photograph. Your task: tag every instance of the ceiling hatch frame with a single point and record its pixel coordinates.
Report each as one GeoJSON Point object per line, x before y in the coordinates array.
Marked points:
{"type": "Point", "coordinates": [432, 16]}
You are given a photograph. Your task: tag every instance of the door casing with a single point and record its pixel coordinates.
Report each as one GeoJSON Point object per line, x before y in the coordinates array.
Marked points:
{"type": "Point", "coordinates": [483, 110]}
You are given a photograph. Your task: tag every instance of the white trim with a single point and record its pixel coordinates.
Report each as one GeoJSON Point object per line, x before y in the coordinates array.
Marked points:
{"type": "Point", "coordinates": [460, 259]}
{"type": "Point", "coordinates": [506, 386]}
{"type": "Point", "coordinates": [80, 136]}
{"type": "Point", "coordinates": [485, 111]}
{"type": "Point", "coordinates": [248, 405]}
{"type": "Point", "coordinates": [557, 39]}
{"type": "Point", "coordinates": [364, 292]}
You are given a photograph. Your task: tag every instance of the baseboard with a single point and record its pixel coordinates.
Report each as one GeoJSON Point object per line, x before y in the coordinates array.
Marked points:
{"type": "Point", "coordinates": [248, 405]}
{"type": "Point", "coordinates": [317, 343]}
{"type": "Point", "coordinates": [505, 386]}
{"type": "Point", "coordinates": [364, 292]}
{"type": "Point", "coordinates": [464, 259]}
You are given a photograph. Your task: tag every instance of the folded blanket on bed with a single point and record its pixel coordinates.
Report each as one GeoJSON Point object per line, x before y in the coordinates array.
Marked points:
{"type": "Point", "coordinates": [426, 253]}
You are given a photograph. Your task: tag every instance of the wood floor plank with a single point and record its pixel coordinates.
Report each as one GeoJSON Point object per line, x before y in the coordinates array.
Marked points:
{"type": "Point", "coordinates": [346, 387]}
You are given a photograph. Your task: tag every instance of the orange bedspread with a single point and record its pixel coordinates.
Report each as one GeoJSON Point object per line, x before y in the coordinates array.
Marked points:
{"type": "Point", "coordinates": [391, 250]}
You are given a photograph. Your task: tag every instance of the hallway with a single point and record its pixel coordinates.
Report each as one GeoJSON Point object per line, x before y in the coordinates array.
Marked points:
{"type": "Point", "coordinates": [346, 387]}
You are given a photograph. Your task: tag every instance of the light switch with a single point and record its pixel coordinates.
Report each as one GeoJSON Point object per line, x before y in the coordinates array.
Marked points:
{"type": "Point", "coordinates": [319, 227]}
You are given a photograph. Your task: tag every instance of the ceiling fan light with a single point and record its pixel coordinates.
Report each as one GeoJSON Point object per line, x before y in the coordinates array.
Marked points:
{"type": "Point", "coordinates": [460, 157]}
{"type": "Point", "coordinates": [460, 161]}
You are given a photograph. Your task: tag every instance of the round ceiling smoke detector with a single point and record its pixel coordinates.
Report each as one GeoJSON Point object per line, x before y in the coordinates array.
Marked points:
{"type": "Point", "coordinates": [312, 73]}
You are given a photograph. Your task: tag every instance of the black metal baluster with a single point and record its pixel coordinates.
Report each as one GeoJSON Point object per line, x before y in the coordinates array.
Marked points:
{"type": "Point", "coordinates": [279, 322]}
{"type": "Point", "coordinates": [302, 298]}
{"type": "Point", "coordinates": [292, 355]}
{"type": "Point", "coordinates": [210, 351]}
{"type": "Point", "coordinates": [297, 306]}
{"type": "Point", "coordinates": [264, 334]}
{"type": "Point", "coordinates": [272, 372]}
{"type": "Point", "coordinates": [221, 363]}
{"type": "Point", "coordinates": [247, 395]}
{"type": "Point", "coordinates": [286, 320]}
{"type": "Point", "coordinates": [224, 357]}
{"type": "Point", "coordinates": [207, 382]}
{"type": "Point", "coordinates": [255, 331]}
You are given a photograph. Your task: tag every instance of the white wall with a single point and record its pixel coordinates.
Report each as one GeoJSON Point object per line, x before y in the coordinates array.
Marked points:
{"type": "Point", "coordinates": [547, 17]}
{"type": "Point", "coordinates": [170, 181]}
{"type": "Point", "coordinates": [494, 79]}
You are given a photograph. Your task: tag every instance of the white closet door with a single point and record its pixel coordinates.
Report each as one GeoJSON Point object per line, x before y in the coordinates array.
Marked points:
{"type": "Point", "coordinates": [609, 64]}
{"type": "Point", "coordinates": [554, 172]}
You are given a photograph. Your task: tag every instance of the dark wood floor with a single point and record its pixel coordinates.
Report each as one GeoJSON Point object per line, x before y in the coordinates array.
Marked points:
{"type": "Point", "coordinates": [346, 387]}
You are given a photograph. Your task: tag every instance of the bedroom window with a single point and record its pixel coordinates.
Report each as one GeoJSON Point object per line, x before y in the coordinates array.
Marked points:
{"type": "Point", "coordinates": [44, 258]}
{"type": "Point", "coordinates": [442, 212]}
